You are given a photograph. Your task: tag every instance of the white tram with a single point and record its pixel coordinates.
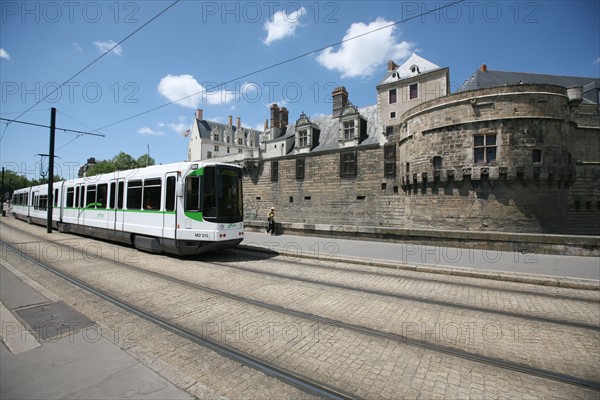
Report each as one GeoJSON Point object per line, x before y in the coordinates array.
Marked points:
{"type": "Point", "coordinates": [185, 208]}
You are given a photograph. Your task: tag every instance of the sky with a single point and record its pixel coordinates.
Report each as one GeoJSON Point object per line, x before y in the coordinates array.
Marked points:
{"type": "Point", "coordinates": [238, 57]}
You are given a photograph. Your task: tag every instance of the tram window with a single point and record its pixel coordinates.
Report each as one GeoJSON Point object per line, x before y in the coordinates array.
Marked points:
{"type": "Point", "coordinates": [101, 195]}
{"type": "Point", "coordinates": [113, 195]}
{"type": "Point", "coordinates": [120, 195]}
{"type": "Point", "coordinates": [192, 193]}
{"type": "Point", "coordinates": [134, 195]}
{"type": "Point", "coordinates": [152, 192]}
{"type": "Point", "coordinates": [43, 202]}
{"type": "Point", "coordinates": [56, 198]}
{"type": "Point", "coordinates": [70, 196]}
{"type": "Point", "coordinates": [170, 199]}
{"type": "Point", "coordinates": [90, 196]}
{"type": "Point", "coordinates": [230, 203]}
{"type": "Point", "coordinates": [26, 199]}
{"type": "Point", "coordinates": [76, 204]}
{"type": "Point", "coordinates": [210, 193]}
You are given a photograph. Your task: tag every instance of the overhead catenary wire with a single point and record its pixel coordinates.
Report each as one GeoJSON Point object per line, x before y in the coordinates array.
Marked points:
{"type": "Point", "coordinates": [90, 64]}
{"type": "Point", "coordinates": [288, 60]}
{"type": "Point", "coordinates": [48, 126]}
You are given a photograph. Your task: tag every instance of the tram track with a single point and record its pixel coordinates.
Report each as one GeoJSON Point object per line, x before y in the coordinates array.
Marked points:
{"type": "Point", "coordinates": [478, 358]}
{"type": "Point", "coordinates": [259, 254]}
{"type": "Point", "coordinates": [301, 382]}
{"type": "Point", "coordinates": [415, 298]}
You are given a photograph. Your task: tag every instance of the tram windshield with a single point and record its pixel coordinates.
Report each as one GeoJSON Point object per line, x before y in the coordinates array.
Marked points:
{"type": "Point", "coordinates": [216, 191]}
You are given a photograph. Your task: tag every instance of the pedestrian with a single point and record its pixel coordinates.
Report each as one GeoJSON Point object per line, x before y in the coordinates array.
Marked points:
{"type": "Point", "coordinates": [271, 221]}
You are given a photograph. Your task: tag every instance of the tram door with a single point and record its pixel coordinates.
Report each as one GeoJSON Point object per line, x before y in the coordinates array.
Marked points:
{"type": "Point", "coordinates": [170, 215]}
{"type": "Point", "coordinates": [117, 193]}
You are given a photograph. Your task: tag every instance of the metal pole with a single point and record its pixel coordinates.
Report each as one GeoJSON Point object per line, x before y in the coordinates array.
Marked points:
{"type": "Point", "coordinates": [51, 169]}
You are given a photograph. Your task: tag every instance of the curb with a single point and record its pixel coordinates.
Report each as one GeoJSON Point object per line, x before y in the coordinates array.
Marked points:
{"type": "Point", "coordinates": [516, 277]}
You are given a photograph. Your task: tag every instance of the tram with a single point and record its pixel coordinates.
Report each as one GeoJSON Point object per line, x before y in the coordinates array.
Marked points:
{"type": "Point", "coordinates": [185, 208]}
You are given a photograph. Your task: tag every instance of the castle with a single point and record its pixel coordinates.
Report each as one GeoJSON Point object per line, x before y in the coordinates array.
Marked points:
{"type": "Point", "coordinates": [508, 152]}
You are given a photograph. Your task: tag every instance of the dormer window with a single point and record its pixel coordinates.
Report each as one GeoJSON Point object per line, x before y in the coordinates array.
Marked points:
{"type": "Point", "coordinates": [352, 127]}
{"type": "Point", "coordinates": [303, 138]}
{"type": "Point", "coordinates": [216, 137]}
{"type": "Point", "coordinates": [349, 130]}
{"type": "Point", "coordinates": [414, 69]}
{"type": "Point", "coordinates": [307, 134]}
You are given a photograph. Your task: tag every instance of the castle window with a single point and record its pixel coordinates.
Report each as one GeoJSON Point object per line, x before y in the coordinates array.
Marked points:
{"type": "Point", "coordinates": [216, 137]}
{"type": "Point", "coordinates": [216, 149]}
{"type": "Point", "coordinates": [209, 154]}
{"type": "Point", "coordinates": [484, 148]}
{"type": "Point", "coordinates": [389, 156]}
{"type": "Point", "coordinates": [300, 168]}
{"type": "Point", "coordinates": [414, 91]}
{"type": "Point", "coordinates": [348, 130]}
{"type": "Point", "coordinates": [303, 138]}
{"type": "Point", "coordinates": [348, 164]}
{"type": "Point", "coordinates": [392, 96]}
{"type": "Point", "coordinates": [389, 130]}
{"type": "Point", "coordinates": [437, 163]}
{"type": "Point", "coordinates": [240, 141]}
{"type": "Point", "coordinates": [274, 171]}
{"type": "Point", "coordinates": [393, 114]}
{"type": "Point", "coordinates": [537, 156]}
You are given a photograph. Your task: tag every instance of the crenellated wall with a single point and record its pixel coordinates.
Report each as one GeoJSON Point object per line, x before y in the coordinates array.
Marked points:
{"type": "Point", "coordinates": [523, 189]}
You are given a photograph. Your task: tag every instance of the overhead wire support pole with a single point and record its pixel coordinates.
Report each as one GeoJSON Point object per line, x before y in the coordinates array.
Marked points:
{"type": "Point", "coordinates": [51, 169]}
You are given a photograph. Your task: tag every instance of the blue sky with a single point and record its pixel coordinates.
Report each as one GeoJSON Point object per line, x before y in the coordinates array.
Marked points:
{"type": "Point", "coordinates": [195, 46]}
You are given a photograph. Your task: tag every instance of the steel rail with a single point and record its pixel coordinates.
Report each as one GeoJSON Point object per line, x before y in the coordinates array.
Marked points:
{"type": "Point", "coordinates": [516, 367]}
{"type": "Point", "coordinates": [467, 307]}
{"type": "Point", "coordinates": [299, 381]}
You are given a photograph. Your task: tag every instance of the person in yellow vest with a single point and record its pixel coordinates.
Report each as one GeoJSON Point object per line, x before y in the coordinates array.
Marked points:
{"type": "Point", "coordinates": [271, 221]}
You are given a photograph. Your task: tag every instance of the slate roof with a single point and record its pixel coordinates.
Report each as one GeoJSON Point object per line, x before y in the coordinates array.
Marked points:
{"type": "Point", "coordinates": [329, 127]}
{"type": "Point", "coordinates": [489, 78]}
{"type": "Point", "coordinates": [406, 71]}
{"type": "Point", "coordinates": [206, 127]}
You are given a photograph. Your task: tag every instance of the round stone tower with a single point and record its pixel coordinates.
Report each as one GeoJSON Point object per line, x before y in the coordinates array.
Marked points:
{"type": "Point", "coordinates": [490, 159]}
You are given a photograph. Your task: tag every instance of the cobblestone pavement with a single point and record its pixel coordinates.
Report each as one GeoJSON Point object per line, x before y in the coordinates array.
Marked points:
{"type": "Point", "coordinates": [413, 305]}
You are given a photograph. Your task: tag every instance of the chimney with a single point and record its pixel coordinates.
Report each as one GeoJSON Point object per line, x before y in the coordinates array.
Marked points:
{"type": "Point", "coordinates": [391, 65]}
{"type": "Point", "coordinates": [483, 68]}
{"type": "Point", "coordinates": [284, 118]}
{"type": "Point", "coordinates": [340, 99]}
{"type": "Point", "coordinates": [238, 123]}
{"type": "Point", "coordinates": [274, 116]}
{"type": "Point", "coordinates": [199, 115]}
{"type": "Point", "coordinates": [266, 124]}
{"type": "Point", "coordinates": [229, 121]}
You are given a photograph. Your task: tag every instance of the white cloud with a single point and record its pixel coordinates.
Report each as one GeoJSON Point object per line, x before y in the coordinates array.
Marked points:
{"type": "Point", "coordinates": [78, 47]}
{"type": "Point", "coordinates": [4, 54]}
{"type": "Point", "coordinates": [187, 92]}
{"type": "Point", "coordinates": [362, 56]}
{"type": "Point", "coordinates": [178, 127]}
{"type": "Point", "coordinates": [103, 47]}
{"type": "Point", "coordinates": [149, 132]}
{"type": "Point", "coordinates": [597, 61]}
{"type": "Point", "coordinates": [282, 25]}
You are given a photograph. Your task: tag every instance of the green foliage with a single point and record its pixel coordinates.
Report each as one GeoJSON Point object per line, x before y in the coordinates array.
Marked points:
{"type": "Point", "coordinates": [120, 162]}
{"type": "Point", "coordinates": [103, 167]}
{"type": "Point", "coordinates": [12, 182]}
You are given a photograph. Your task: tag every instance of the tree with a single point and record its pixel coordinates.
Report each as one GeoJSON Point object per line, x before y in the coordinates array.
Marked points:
{"type": "Point", "coordinates": [102, 167]}
{"type": "Point", "coordinates": [124, 161]}
{"type": "Point", "coordinates": [12, 182]}
{"type": "Point", "coordinates": [145, 160]}
{"type": "Point", "coordinates": [120, 162]}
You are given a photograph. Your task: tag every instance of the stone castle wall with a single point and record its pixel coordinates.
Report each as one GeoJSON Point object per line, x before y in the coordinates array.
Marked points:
{"type": "Point", "coordinates": [518, 191]}
{"type": "Point", "coordinates": [534, 184]}
{"type": "Point", "coordinates": [323, 197]}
